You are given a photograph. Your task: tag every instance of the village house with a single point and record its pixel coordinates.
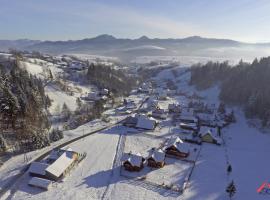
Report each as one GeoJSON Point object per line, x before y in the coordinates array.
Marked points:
{"type": "Point", "coordinates": [189, 126]}
{"type": "Point", "coordinates": [134, 162]}
{"type": "Point", "coordinates": [174, 108]}
{"type": "Point", "coordinates": [146, 123]}
{"type": "Point", "coordinates": [162, 95]}
{"type": "Point", "coordinates": [156, 159]}
{"type": "Point", "coordinates": [176, 147]}
{"type": "Point", "coordinates": [40, 183]}
{"type": "Point", "coordinates": [145, 88]}
{"type": "Point", "coordinates": [104, 92]}
{"type": "Point", "coordinates": [130, 121]}
{"type": "Point", "coordinates": [60, 167]}
{"type": "Point", "coordinates": [159, 113]}
{"type": "Point", "coordinates": [207, 135]}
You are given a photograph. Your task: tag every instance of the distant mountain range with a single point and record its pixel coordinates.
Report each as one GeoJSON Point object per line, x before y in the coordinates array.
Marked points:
{"type": "Point", "coordinates": [108, 45]}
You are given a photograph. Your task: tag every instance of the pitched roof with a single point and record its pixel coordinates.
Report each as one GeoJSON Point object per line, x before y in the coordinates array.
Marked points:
{"type": "Point", "coordinates": [61, 164]}
{"type": "Point", "coordinates": [145, 122]}
{"type": "Point", "coordinates": [38, 168]}
{"type": "Point", "coordinates": [178, 144]}
{"type": "Point", "coordinates": [40, 182]}
{"type": "Point", "coordinates": [135, 159]}
{"type": "Point", "coordinates": [158, 155]}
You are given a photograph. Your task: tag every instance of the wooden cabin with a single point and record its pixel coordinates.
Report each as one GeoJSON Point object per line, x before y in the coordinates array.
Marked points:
{"type": "Point", "coordinates": [134, 162]}
{"type": "Point", "coordinates": [156, 159]}
{"type": "Point", "coordinates": [176, 147]}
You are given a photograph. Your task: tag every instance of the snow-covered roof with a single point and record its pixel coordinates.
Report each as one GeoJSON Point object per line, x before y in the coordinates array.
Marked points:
{"type": "Point", "coordinates": [158, 155]}
{"type": "Point", "coordinates": [56, 153]}
{"type": "Point", "coordinates": [61, 164]}
{"type": "Point", "coordinates": [135, 159]}
{"type": "Point", "coordinates": [145, 122]}
{"type": "Point", "coordinates": [204, 130]}
{"type": "Point", "coordinates": [38, 168]}
{"type": "Point", "coordinates": [192, 125]}
{"type": "Point", "coordinates": [178, 144]}
{"type": "Point", "coordinates": [40, 182]}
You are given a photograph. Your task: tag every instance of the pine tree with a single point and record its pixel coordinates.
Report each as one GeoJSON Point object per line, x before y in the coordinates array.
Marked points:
{"type": "Point", "coordinates": [79, 102]}
{"type": "Point", "coordinates": [231, 189]}
{"type": "Point", "coordinates": [3, 144]}
{"type": "Point", "coordinates": [229, 169]}
{"type": "Point", "coordinates": [66, 111]}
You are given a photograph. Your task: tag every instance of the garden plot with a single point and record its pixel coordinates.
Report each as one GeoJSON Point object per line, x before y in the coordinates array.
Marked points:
{"type": "Point", "coordinates": [172, 176]}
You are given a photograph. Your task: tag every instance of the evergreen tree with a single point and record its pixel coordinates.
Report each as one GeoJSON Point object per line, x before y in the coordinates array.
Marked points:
{"type": "Point", "coordinates": [66, 111]}
{"type": "Point", "coordinates": [231, 189]}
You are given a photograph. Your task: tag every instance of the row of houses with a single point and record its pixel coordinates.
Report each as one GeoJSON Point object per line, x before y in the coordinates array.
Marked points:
{"type": "Point", "coordinates": [175, 147]}
{"type": "Point", "coordinates": [56, 166]}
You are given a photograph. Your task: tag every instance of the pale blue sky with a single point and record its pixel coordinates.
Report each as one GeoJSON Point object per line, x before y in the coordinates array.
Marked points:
{"type": "Point", "coordinates": [243, 20]}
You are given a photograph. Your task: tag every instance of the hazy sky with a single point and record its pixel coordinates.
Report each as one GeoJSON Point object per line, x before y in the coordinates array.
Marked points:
{"type": "Point", "coordinates": [244, 20]}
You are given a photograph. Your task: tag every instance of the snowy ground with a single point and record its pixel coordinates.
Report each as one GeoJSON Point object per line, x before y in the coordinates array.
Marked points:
{"type": "Point", "coordinates": [99, 177]}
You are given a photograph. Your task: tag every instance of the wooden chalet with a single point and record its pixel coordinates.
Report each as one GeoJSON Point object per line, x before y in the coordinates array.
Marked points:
{"type": "Point", "coordinates": [176, 147]}
{"type": "Point", "coordinates": [156, 159]}
{"type": "Point", "coordinates": [134, 162]}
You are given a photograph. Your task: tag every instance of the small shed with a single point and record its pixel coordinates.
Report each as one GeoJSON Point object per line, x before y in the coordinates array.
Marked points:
{"type": "Point", "coordinates": [37, 169]}
{"type": "Point", "coordinates": [156, 159]}
{"type": "Point", "coordinates": [134, 162]}
{"type": "Point", "coordinates": [40, 183]}
{"type": "Point", "coordinates": [177, 147]}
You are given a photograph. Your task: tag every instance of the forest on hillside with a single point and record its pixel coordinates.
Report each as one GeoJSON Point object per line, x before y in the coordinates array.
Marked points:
{"type": "Point", "coordinates": [23, 118]}
{"type": "Point", "coordinates": [245, 84]}
{"type": "Point", "coordinates": [117, 81]}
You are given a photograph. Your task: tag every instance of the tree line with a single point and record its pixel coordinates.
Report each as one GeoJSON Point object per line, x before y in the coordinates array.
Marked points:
{"type": "Point", "coordinates": [245, 84]}
{"type": "Point", "coordinates": [23, 105]}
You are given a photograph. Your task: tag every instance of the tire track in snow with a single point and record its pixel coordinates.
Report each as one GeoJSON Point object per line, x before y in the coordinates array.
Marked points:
{"type": "Point", "coordinates": [116, 163]}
